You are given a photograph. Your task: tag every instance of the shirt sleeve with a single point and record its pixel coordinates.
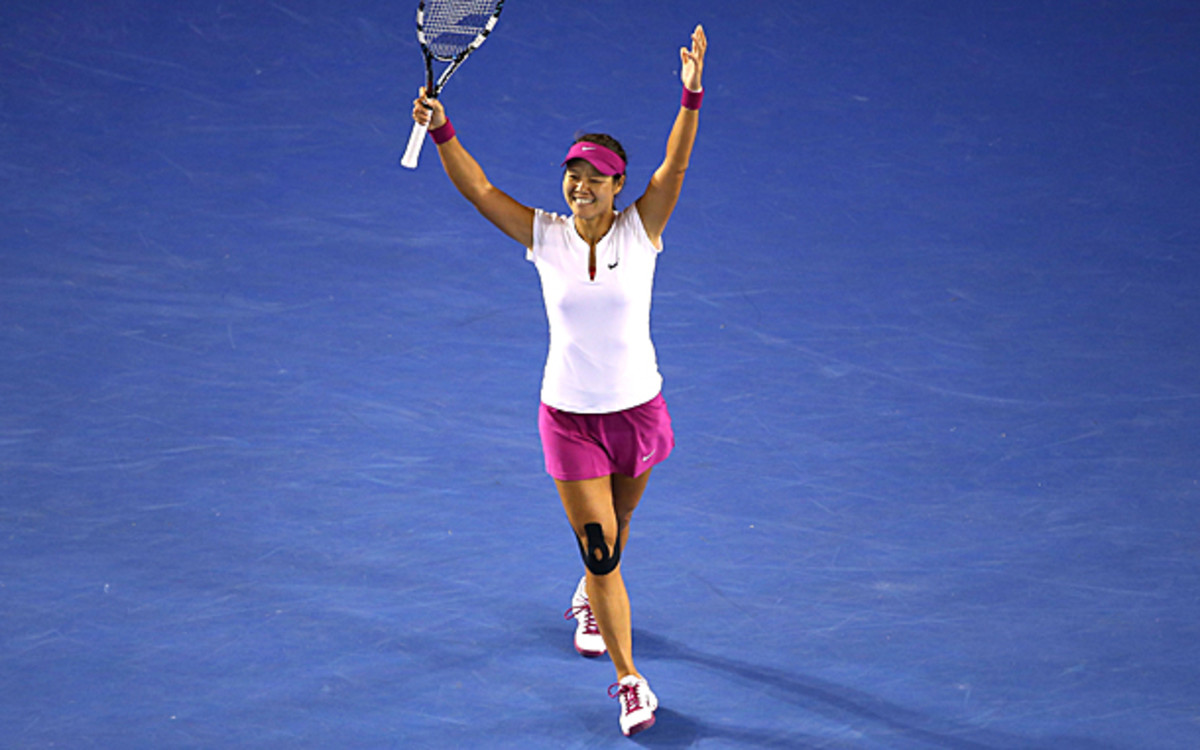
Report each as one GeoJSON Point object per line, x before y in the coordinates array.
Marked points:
{"type": "Point", "coordinates": [634, 217]}
{"type": "Point", "coordinates": [541, 221]}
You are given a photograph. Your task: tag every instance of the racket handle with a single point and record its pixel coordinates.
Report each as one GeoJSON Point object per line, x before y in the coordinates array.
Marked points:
{"type": "Point", "coordinates": [415, 140]}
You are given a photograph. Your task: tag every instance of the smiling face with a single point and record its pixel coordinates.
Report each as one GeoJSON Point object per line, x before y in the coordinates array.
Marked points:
{"type": "Point", "coordinates": [589, 193]}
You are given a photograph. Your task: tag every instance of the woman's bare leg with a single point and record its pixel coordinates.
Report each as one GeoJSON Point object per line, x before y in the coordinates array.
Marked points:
{"type": "Point", "coordinates": [609, 502]}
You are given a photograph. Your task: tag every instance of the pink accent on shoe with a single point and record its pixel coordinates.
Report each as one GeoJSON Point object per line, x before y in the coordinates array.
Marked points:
{"type": "Point", "coordinates": [587, 627]}
{"type": "Point", "coordinates": [633, 702]}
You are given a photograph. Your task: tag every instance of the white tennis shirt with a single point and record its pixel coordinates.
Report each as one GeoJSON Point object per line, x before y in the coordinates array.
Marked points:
{"type": "Point", "coordinates": [601, 358]}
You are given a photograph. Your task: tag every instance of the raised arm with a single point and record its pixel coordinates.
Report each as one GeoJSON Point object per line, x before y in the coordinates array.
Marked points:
{"type": "Point", "coordinates": [657, 203]}
{"type": "Point", "coordinates": [508, 215]}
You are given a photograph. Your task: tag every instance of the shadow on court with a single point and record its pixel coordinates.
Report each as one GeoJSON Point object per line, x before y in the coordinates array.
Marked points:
{"type": "Point", "coordinates": [867, 720]}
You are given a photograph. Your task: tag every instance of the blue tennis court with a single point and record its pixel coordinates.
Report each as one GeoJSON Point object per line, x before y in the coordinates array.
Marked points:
{"type": "Point", "coordinates": [928, 318]}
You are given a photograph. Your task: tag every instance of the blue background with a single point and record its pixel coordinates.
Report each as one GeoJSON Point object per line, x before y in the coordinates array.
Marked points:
{"type": "Point", "coordinates": [269, 469]}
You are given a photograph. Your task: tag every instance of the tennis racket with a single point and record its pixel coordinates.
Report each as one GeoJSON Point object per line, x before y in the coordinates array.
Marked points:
{"type": "Point", "coordinates": [449, 31]}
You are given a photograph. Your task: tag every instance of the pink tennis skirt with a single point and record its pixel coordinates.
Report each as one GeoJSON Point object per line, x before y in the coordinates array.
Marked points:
{"type": "Point", "coordinates": [586, 446]}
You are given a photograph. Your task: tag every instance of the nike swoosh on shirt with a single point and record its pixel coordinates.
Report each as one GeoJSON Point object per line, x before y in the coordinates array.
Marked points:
{"type": "Point", "coordinates": [649, 455]}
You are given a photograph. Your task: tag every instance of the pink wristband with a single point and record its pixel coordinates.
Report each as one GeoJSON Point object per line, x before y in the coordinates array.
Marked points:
{"type": "Point", "coordinates": [692, 99]}
{"type": "Point", "coordinates": [442, 134]}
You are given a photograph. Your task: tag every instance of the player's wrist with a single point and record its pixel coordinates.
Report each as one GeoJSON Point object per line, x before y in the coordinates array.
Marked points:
{"type": "Point", "coordinates": [442, 133]}
{"type": "Point", "coordinates": [692, 99]}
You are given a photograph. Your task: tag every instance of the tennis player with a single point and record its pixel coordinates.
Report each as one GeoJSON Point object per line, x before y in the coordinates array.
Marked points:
{"type": "Point", "coordinates": [603, 422]}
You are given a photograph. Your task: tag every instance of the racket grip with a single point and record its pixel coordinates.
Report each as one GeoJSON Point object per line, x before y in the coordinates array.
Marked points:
{"type": "Point", "coordinates": [416, 139]}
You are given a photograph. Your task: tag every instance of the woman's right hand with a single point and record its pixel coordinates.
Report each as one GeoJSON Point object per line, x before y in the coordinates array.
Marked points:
{"type": "Point", "coordinates": [428, 112]}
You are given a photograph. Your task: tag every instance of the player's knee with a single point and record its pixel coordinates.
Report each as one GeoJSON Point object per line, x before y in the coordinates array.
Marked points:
{"type": "Point", "coordinates": [600, 555]}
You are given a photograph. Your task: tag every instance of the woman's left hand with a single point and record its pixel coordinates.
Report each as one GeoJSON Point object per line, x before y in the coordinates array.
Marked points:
{"type": "Point", "coordinates": [693, 60]}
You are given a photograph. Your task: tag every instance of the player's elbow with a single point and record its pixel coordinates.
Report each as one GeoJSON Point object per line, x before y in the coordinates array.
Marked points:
{"type": "Point", "coordinates": [669, 177]}
{"type": "Point", "coordinates": [481, 195]}
{"type": "Point", "coordinates": [473, 187]}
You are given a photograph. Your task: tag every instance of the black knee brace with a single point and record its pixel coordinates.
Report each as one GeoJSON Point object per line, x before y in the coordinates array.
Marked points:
{"type": "Point", "coordinates": [598, 558]}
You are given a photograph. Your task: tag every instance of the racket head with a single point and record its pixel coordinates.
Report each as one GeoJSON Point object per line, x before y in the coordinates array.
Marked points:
{"type": "Point", "coordinates": [449, 30]}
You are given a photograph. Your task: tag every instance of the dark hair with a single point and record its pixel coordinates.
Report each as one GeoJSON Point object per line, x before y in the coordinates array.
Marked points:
{"type": "Point", "coordinates": [607, 141]}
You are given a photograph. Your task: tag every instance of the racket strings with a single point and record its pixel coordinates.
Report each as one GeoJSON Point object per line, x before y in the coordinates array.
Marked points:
{"type": "Point", "coordinates": [451, 26]}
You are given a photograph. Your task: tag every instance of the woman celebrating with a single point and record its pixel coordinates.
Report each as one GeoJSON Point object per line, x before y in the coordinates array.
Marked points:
{"type": "Point", "coordinates": [603, 421]}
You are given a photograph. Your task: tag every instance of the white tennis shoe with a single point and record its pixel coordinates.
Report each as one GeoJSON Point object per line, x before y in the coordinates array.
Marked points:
{"type": "Point", "coordinates": [638, 704]}
{"type": "Point", "coordinates": [588, 640]}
